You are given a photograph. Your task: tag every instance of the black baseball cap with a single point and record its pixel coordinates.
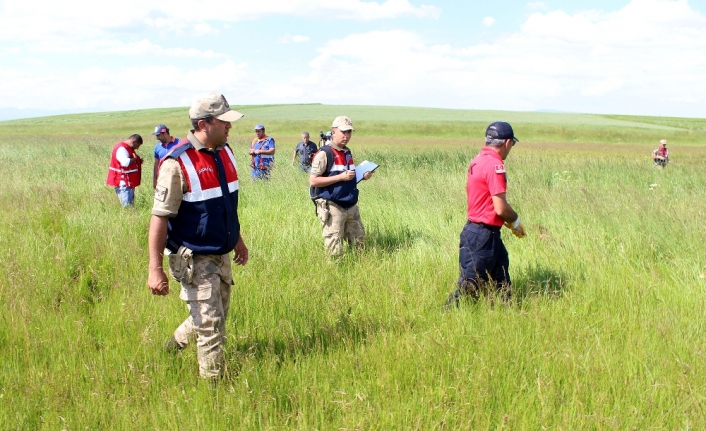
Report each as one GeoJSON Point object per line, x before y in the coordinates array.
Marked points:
{"type": "Point", "coordinates": [500, 130]}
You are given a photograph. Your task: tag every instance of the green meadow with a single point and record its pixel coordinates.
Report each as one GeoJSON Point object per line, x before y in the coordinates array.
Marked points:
{"type": "Point", "coordinates": [605, 329]}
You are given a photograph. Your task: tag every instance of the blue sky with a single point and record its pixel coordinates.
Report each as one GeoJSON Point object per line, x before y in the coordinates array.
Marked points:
{"type": "Point", "coordinates": [626, 57]}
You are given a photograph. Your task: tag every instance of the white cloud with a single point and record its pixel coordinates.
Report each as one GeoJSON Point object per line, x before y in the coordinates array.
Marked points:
{"type": "Point", "coordinates": [537, 5]}
{"type": "Point", "coordinates": [636, 59]}
{"type": "Point", "coordinates": [644, 59]}
{"type": "Point", "coordinates": [293, 39]}
{"type": "Point", "coordinates": [95, 87]}
{"type": "Point", "coordinates": [85, 19]}
{"type": "Point", "coordinates": [605, 86]}
{"type": "Point", "coordinates": [115, 47]}
{"type": "Point", "coordinates": [488, 21]}
{"type": "Point", "coordinates": [685, 99]}
{"type": "Point", "coordinates": [90, 27]}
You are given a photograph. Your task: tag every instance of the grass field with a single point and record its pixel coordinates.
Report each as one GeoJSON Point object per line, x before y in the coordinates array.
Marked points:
{"type": "Point", "coordinates": [606, 329]}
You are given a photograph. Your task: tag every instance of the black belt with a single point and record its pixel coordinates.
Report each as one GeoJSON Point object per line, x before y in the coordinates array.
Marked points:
{"type": "Point", "coordinates": [171, 246]}
{"type": "Point", "coordinates": [486, 226]}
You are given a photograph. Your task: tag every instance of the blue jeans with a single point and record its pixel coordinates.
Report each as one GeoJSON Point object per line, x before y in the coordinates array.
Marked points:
{"type": "Point", "coordinates": [126, 195]}
{"type": "Point", "coordinates": [305, 168]}
{"type": "Point", "coordinates": [260, 174]}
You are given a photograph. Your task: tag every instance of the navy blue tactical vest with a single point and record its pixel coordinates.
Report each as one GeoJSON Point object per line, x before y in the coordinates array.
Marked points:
{"type": "Point", "coordinates": [343, 193]}
{"type": "Point", "coordinates": [207, 221]}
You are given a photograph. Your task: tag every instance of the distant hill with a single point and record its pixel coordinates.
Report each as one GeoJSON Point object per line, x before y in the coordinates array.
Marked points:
{"type": "Point", "coordinates": [288, 121]}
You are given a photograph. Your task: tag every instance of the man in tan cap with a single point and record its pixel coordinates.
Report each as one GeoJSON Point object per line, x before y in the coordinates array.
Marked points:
{"type": "Point", "coordinates": [335, 190]}
{"type": "Point", "coordinates": [195, 216]}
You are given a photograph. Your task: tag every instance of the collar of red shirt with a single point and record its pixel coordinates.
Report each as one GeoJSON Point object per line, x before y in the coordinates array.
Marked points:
{"type": "Point", "coordinates": [491, 152]}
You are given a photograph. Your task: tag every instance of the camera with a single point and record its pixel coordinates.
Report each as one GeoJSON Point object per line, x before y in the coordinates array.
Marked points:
{"type": "Point", "coordinates": [324, 137]}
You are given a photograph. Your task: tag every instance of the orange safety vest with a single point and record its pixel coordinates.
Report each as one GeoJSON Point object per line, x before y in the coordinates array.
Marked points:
{"type": "Point", "coordinates": [132, 174]}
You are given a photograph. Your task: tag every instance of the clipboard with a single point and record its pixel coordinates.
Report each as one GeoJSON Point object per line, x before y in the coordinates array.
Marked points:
{"type": "Point", "coordinates": [362, 168]}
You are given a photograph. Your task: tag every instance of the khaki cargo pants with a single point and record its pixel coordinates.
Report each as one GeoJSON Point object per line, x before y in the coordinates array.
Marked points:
{"type": "Point", "coordinates": [208, 299]}
{"type": "Point", "coordinates": [340, 224]}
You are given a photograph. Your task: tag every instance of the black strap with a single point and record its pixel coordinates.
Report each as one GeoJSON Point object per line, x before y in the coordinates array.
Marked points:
{"type": "Point", "coordinates": [314, 191]}
{"type": "Point", "coordinates": [329, 159]}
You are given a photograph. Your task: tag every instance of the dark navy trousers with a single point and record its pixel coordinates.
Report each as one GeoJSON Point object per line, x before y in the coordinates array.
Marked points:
{"type": "Point", "coordinates": [482, 258]}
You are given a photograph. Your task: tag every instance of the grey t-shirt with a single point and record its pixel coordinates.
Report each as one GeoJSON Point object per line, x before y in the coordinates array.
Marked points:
{"type": "Point", "coordinates": [305, 152]}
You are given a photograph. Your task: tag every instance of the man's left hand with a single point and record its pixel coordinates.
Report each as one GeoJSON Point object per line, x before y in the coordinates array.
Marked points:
{"type": "Point", "coordinates": [240, 256]}
{"type": "Point", "coordinates": [517, 228]}
{"type": "Point", "coordinates": [367, 175]}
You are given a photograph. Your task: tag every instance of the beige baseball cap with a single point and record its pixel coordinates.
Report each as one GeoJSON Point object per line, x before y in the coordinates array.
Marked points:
{"type": "Point", "coordinates": [213, 105]}
{"type": "Point", "coordinates": [342, 123]}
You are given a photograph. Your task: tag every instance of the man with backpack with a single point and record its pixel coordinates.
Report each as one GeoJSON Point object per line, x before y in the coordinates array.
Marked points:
{"type": "Point", "coordinates": [334, 190]}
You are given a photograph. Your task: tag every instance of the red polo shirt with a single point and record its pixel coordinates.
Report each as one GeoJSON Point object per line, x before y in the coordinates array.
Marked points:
{"type": "Point", "coordinates": [486, 178]}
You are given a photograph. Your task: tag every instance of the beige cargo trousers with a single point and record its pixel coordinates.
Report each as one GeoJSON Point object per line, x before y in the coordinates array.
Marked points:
{"type": "Point", "coordinates": [340, 224]}
{"type": "Point", "coordinates": [208, 298]}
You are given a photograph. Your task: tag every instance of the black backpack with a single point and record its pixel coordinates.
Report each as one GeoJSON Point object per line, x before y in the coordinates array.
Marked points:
{"type": "Point", "coordinates": [315, 191]}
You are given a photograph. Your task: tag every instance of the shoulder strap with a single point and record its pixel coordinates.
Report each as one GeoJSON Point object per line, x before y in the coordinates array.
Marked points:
{"type": "Point", "coordinates": [314, 191]}
{"type": "Point", "coordinates": [329, 158]}
{"type": "Point", "coordinates": [177, 150]}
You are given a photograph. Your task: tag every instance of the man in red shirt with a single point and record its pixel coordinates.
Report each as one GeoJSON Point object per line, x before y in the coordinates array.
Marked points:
{"type": "Point", "coordinates": [483, 258]}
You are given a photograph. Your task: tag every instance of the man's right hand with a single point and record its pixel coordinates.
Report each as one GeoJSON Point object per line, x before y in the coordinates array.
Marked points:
{"type": "Point", "coordinates": [348, 175]}
{"type": "Point", "coordinates": [158, 282]}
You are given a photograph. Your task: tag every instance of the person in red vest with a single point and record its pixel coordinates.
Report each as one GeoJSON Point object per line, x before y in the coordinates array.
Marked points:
{"type": "Point", "coordinates": [660, 155]}
{"type": "Point", "coordinates": [336, 197]}
{"type": "Point", "coordinates": [195, 217]}
{"type": "Point", "coordinates": [125, 171]}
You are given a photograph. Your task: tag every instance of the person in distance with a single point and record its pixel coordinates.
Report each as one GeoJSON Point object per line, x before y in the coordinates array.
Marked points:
{"type": "Point", "coordinates": [125, 171]}
{"type": "Point", "coordinates": [660, 155]}
{"type": "Point", "coordinates": [262, 154]}
{"type": "Point", "coordinates": [165, 142]}
{"type": "Point", "coordinates": [306, 150]}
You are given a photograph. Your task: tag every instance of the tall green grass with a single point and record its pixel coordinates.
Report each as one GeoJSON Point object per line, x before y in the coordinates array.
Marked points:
{"type": "Point", "coordinates": [604, 332]}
